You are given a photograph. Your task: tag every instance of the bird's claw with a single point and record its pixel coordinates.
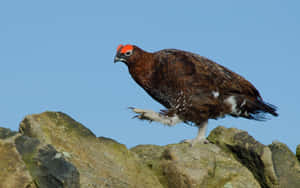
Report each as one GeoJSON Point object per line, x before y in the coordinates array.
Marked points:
{"type": "Point", "coordinates": [136, 116]}
{"type": "Point", "coordinates": [141, 114]}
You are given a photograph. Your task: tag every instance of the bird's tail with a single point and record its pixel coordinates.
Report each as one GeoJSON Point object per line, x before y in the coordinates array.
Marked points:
{"type": "Point", "coordinates": [259, 108]}
{"type": "Point", "coordinates": [269, 108]}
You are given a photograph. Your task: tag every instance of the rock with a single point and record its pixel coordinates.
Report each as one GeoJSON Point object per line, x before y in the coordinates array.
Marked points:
{"type": "Point", "coordinates": [252, 154]}
{"type": "Point", "coordinates": [298, 152]}
{"type": "Point", "coordinates": [53, 150]}
{"type": "Point", "coordinates": [25, 162]}
{"type": "Point", "coordinates": [46, 170]}
{"type": "Point", "coordinates": [13, 171]}
{"type": "Point", "coordinates": [101, 162]}
{"type": "Point", "coordinates": [6, 133]}
{"type": "Point", "coordinates": [203, 165]}
{"type": "Point", "coordinates": [286, 165]}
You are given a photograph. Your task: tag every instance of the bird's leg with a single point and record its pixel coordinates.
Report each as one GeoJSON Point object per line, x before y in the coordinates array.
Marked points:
{"type": "Point", "coordinates": [200, 138]}
{"type": "Point", "coordinates": [155, 116]}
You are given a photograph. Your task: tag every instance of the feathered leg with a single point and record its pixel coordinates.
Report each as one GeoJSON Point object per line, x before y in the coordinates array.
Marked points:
{"type": "Point", "coordinates": [154, 116]}
{"type": "Point", "coordinates": [200, 138]}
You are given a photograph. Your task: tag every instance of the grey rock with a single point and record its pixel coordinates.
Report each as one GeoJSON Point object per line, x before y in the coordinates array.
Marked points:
{"type": "Point", "coordinates": [13, 170]}
{"type": "Point", "coordinates": [298, 152]}
{"type": "Point", "coordinates": [252, 154]}
{"type": "Point", "coordinates": [5, 133]}
{"type": "Point", "coordinates": [53, 150]}
{"type": "Point", "coordinates": [286, 165]}
{"type": "Point", "coordinates": [46, 170]}
{"type": "Point", "coordinates": [101, 162]}
{"type": "Point", "coordinates": [203, 165]}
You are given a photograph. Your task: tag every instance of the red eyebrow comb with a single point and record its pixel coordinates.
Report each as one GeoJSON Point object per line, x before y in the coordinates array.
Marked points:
{"type": "Point", "coordinates": [126, 48]}
{"type": "Point", "coordinates": [120, 46]}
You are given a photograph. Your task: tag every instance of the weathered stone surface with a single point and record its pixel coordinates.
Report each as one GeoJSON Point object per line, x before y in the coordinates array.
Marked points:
{"type": "Point", "coordinates": [53, 150]}
{"type": "Point", "coordinates": [298, 152]}
{"type": "Point", "coordinates": [13, 171]}
{"type": "Point", "coordinates": [203, 165]}
{"type": "Point", "coordinates": [45, 166]}
{"type": "Point", "coordinates": [25, 162]}
{"type": "Point", "coordinates": [101, 162]}
{"type": "Point", "coordinates": [252, 154]}
{"type": "Point", "coordinates": [6, 133]}
{"type": "Point", "coordinates": [286, 165]}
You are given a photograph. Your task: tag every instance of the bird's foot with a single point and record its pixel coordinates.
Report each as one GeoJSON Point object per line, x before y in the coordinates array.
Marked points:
{"type": "Point", "coordinates": [144, 114]}
{"type": "Point", "coordinates": [150, 116]}
{"type": "Point", "coordinates": [193, 142]}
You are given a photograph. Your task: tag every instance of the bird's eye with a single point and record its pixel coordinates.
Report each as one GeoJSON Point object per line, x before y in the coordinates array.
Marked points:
{"type": "Point", "coordinates": [128, 53]}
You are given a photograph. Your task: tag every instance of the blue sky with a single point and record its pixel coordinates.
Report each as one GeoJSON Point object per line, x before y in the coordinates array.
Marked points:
{"type": "Point", "coordinates": [58, 56]}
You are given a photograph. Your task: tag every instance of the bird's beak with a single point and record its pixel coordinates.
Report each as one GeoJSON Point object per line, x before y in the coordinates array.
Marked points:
{"type": "Point", "coordinates": [116, 59]}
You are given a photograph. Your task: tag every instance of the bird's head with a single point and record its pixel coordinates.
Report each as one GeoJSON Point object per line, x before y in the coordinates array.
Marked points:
{"type": "Point", "coordinates": [126, 54]}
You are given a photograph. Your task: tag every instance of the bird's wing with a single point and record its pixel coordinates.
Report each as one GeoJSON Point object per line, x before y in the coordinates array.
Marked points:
{"type": "Point", "coordinates": [199, 72]}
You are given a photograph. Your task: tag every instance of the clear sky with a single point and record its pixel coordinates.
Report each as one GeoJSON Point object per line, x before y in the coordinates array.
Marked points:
{"type": "Point", "coordinates": [58, 56]}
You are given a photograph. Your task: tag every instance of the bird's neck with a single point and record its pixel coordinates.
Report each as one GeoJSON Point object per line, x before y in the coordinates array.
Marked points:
{"type": "Point", "coordinates": [142, 70]}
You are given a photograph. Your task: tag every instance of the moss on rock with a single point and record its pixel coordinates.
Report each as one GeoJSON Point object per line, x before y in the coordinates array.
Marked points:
{"type": "Point", "coordinates": [286, 165]}
{"type": "Point", "coordinates": [13, 171]}
{"type": "Point", "coordinates": [46, 169]}
{"type": "Point", "coordinates": [252, 154]}
{"type": "Point", "coordinates": [298, 152]}
{"type": "Point", "coordinates": [6, 133]}
{"type": "Point", "coordinates": [52, 149]}
{"type": "Point", "coordinates": [203, 165]}
{"type": "Point", "coordinates": [119, 167]}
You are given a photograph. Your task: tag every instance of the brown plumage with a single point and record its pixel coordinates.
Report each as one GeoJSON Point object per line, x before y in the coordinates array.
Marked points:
{"type": "Point", "coordinates": [192, 87]}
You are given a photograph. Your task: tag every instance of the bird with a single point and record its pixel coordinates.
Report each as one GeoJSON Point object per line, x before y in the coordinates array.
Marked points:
{"type": "Point", "coordinates": [192, 88]}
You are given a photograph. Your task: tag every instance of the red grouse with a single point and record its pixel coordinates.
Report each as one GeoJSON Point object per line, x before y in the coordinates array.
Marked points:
{"type": "Point", "coordinates": [193, 88]}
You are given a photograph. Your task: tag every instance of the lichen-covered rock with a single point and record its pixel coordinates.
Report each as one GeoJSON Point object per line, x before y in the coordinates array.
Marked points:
{"type": "Point", "coordinates": [25, 162]}
{"type": "Point", "coordinates": [101, 162]}
{"type": "Point", "coordinates": [6, 133]}
{"type": "Point", "coordinates": [53, 150]}
{"type": "Point", "coordinates": [298, 152]}
{"type": "Point", "coordinates": [286, 165]}
{"type": "Point", "coordinates": [13, 171]}
{"type": "Point", "coordinates": [203, 165]}
{"type": "Point", "coordinates": [45, 166]}
{"type": "Point", "coordinates": [252, 154]}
